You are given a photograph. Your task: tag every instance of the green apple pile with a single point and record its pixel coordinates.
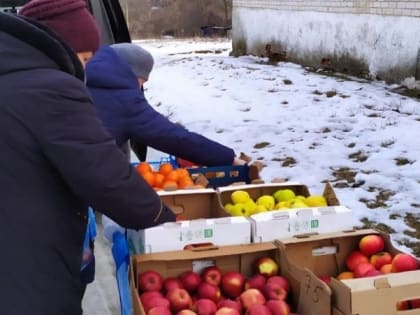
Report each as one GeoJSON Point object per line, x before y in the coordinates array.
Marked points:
{"type": "Point", "coordinates": [243, 205]}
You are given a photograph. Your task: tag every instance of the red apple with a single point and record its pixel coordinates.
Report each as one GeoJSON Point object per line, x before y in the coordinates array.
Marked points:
{"type": "Point", "coordinates": [281, 280]}
{"type": "Point", "coordinates": [386, 268]}
{"type": "Point", "coordinates": [257, 281]}
{"type": "Point", "coordinates": [278, 307]}
{"type": "Point", "coordinates": [354, 259]}
{"type": "Point", "coordinates": [345, 275]}
{"type": "Point", "coordinates": [259, 309]}
{"type": "Point", "coordinates": [186, 312]}
{"type": "Point", "coordinates": [415, 303]}
{"type": "Point", "coordinates": [266, 266]}
{"type": "Point", "coordinates": [236, 304]}
{"type": "Point", "coordinates": [380, 259]}
{"type": "Point", "coordinates": [232, 284]}
{"type": "Point", "coordinates": [227, 311]}
{"type": "Point", "coordinates": [149, 280]}
{"type": "Point", "coordinates": [179, 299]}
{"type": "Point", "coordinates": [159, 310]}
{"type": "Point", "coordinates": [208, 291]}
{"type": "Point", "coordinates": [205, 307]}
{"type": "Point", "coordinates": [172, 283]}
{"type": "Point", "coordinates": [362, 269]}
{"type": "Point", "coordinates": [155, 302]}
{"type": "Point", "coordinates": [190, 280]}
{"type": "Point", "coordinates": [404, 262]}
{"type": "Point", "coordinates": [149, 295]}
{"type": "Point", "coordinates": [212, 275]}
{"type": "Point", "coordinates": [403, 305]}
{"type": "Point", "coordinates": [250, 297]}
{"type": "Point", "coordinates": [373, 273]}
{"type": "Point", "coordinates": [371, 244]}
{"type": "Point", "coordinates": [326, 279]}
{"type": "Point", "coordinates": [274, 291]}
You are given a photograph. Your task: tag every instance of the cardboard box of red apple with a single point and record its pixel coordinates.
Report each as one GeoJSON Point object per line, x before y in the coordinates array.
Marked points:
{"type": "Point", "coordinates": [202, 222]}
{"type": "Point", "coordinates": [295, 214]}
{"type": "Point", "coordinates": [228, 280]}
{"type": "Point", "coordinates": [366, 273]}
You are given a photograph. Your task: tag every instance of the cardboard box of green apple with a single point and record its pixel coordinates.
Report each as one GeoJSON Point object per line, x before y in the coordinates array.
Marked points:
{"type": "Point", "coordinates": [279, 210]}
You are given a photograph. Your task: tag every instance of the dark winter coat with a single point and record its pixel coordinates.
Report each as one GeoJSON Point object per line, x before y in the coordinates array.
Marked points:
{"type": "Point", "coordinates": [56, 158]}
{"type": "Point", "coordinates": [126, 114]}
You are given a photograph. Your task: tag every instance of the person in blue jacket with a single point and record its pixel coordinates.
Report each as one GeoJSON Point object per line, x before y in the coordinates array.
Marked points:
{"type": "Point", "coordinates": [115, 78]}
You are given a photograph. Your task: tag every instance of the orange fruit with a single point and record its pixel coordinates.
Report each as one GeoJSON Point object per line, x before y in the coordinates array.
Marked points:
{"type": "Point", "coordinates": [149, 177]}
{"type": "Point", "coordinates": [143, 167]}
{"type": "Point", "coordinates": [182, 172]}
{"type": "Point", "coordinates": [185, 182]}
{"type": "Point", "coordinates": [169, 184]}
{"type": "Point", "coordinates": [172, 176]}
{"type": "Point", "coordinates": [165, 168]}
{"type": "Point", "coordinates": [159, 179]}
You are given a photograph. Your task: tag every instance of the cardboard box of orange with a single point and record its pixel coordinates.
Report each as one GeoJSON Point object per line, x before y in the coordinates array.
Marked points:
{"type": "Point", "coordinates": [239, 258]}
{"type": "Point", "coordinates": [276, 224]}
{"type": "Point", "coordinates": [325, 255]}
{"type": "Point", "coordinates": [202, 222]}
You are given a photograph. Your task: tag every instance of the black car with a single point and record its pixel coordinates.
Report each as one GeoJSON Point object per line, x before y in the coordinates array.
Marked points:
{"type": "Point", "coordinates": [108, 14]}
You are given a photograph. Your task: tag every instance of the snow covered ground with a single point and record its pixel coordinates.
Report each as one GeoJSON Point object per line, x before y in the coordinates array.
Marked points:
{"type": "Point", "coordinates": [305, 126]}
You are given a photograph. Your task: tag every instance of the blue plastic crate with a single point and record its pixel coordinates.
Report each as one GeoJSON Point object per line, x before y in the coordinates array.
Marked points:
{"type": "Point", "coordinates": [222, 175]}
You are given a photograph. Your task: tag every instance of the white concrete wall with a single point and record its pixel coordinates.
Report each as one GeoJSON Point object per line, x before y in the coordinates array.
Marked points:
{"type": "Point", "coordinates": [378, 37]}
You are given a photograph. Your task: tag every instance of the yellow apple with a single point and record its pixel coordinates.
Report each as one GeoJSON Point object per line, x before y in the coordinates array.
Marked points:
{"type": "Point", "coordinates": [240, 196]}
{"type": "Point", "coordinates": [260, 209]}
{"type": "Point", "coordinates": [297, 203]}
{"type": "Point", "coordinates": [240, 210]}
{"type": "Point", "coordinates": [316, 201]}
{"type": "Point", "coordinates": [228, 207]}
{"type": "Point", "coordinates": [267, 201]}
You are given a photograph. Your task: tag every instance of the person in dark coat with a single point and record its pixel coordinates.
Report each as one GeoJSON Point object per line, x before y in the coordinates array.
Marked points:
{"type": "Point", "coordinates": [56, 160]}
{"type": "Point", "coordinates": [115, 78]}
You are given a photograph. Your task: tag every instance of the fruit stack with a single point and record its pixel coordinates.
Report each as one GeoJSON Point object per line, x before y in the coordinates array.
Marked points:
{"type": "Point", "coordinates": [359, 266]}
{"type": "Point", "coordinates": [166, 177]}
{"type": "Point", "coordinates": [224, 287]}
{"type": "Point", "coordinates": [248, 200]}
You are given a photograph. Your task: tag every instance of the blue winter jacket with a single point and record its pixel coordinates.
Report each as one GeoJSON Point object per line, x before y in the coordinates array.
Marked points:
{"type": "Point", "coordinates": [126, 113]}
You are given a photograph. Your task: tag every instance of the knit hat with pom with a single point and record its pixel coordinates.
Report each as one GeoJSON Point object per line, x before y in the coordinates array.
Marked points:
{"type": "Point", "coordinates": [70, 19]}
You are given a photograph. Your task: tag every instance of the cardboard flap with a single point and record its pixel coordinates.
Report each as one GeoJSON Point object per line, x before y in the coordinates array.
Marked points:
{"type": "Point", "coordinates": [330, 195]}
{"type": "Point", "coordinates": [381, 283]}
{"type": "Point", "coordinates": [315, 295]}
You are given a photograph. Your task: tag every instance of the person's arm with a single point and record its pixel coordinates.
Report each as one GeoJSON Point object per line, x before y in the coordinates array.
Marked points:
{"type": "Point", "coordinates": [87, 159]}
{"type": "Point", "coordinates": [151, 128]}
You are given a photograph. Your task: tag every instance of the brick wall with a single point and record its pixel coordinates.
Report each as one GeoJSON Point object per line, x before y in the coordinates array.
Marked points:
{"type": "Point", "coordinates": [380, 7]}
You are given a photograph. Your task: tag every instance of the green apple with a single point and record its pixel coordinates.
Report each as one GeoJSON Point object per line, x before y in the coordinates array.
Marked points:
{"type": "Point", "coordinates": [240, 196]}
{"type": "Point", "coordinates": [239, 209]}
{"type": "Point", "coordinates": [316, 201]}
{"type": "Point", "coordinates": [284, 195]}
{"type": "Point", "coordinates": [267, 201]}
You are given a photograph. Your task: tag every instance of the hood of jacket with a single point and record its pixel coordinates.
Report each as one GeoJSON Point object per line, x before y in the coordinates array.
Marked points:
{"type": "Point", "coordinates": [26, 44]}
{"type": "Point", "coordinates": [106, 70]}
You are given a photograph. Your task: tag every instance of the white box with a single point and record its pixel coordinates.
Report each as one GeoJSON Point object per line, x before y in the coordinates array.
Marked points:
{"type": "Point", "coordinates": [271, 225]}
{"type": "Point", "coordinates": [177, 235]}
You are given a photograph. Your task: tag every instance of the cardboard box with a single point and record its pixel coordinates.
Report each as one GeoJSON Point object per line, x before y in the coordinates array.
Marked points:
{"type": "Point", "coordinates": [204, 223]}
{"type": "Point", "coordinates": [181, 234]}
{"type": "Point", "coordinates": [325, 255]}
{"type": "Point", "coordinates": [271, 225]}
{"type": "Point", "coordinates": [227, 258]}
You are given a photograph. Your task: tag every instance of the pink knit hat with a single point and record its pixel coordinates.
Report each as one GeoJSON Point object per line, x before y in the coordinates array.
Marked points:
{"type": "Point", "coordinates": [70, 19]}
